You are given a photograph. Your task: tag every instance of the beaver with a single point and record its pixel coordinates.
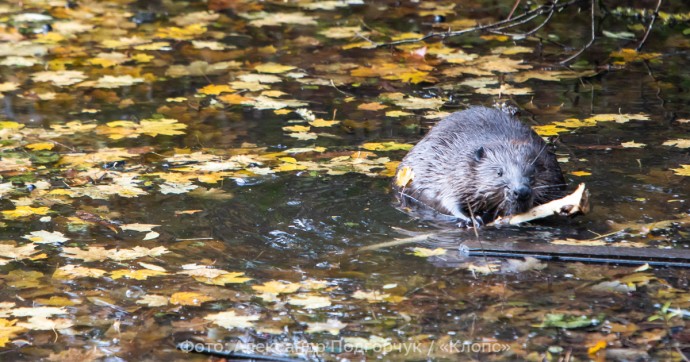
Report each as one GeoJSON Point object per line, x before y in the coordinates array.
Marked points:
{"type": "Point", "coordinates": [481, 162]}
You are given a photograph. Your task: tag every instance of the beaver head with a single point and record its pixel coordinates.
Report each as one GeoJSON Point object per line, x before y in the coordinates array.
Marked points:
{"type": "Point", "coordinates": [505, 178]}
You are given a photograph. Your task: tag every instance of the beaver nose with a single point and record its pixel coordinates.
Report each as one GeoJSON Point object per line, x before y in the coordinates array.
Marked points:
{"type": "Point", "coordinates": [523, 192]}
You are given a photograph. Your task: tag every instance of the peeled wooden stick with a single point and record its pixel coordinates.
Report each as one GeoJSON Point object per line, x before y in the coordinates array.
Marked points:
{"type": "Point", "coordinates": [575, 203]}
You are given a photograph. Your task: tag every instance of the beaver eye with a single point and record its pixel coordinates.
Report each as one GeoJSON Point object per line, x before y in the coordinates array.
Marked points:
{"type": "Point", "coordinates": [500, 173]}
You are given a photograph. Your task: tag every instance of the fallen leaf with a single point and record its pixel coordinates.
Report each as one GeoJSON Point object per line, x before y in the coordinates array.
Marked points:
{"type": "Point", "coordinates": [230, 320]}
{"type": "Point", "coordinates": [189, 298]}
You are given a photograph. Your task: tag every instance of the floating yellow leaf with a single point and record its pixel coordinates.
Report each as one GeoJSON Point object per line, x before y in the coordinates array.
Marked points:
{"type": "Point", "coordinates": [141, 274]}
{"type": "Point", "coordinates": [404, 176]}
{"type": "Point", "coordinates": [10, 125]}
{"type": "Point", "coordinates": [234, 99]}
{"type": "Point", "coordinates": [425, 253]}
{"type": "Point", "coordinates": [628, 55]}
{"type": "Point", "coordinates": [683, 171]}
{"type": "Point", "coordinates": [273, 93]}
{"type": "Point", "coordinates": [189, 298]}
{"type": "Point", "coordinates": [576, 123]}
{"type": "Point", "coordinates": [40, 146]}
{"type": "Point", "coordinates": [142, 58]}
{"type": "Point", "coordinates": [371, 297]}
{"type": "Point", "coordinates": [361, 44]}
{"type": "Point", "coordinates": [216, 89]}
{"type": "Point", "coordinates": [229, 278]}
{"type": "Point", "coordinates": [596, 348]}
{"type": "Point", "coordinates": [618, 118]}
{"type": "Point", "coordinates": [581, 173]}
{"type": "Point", "coordinates": [153, 300]}
{"type": "Point", "coordinates": [549, 130]}
{"type": "Point", "coordinates": [387, 146]}
{"type": "Point", "coordinates": [680, 143]}
{"type": "Point", "coordinates": [296, 128]}
{"type": "Point", "coordinates": [309, 301]}
{"type": "Point", "coordinates": [373, 106]}
{"type": "Point", "coordinates": [343, 32]}
{"type": "Point", "coordinates": [45, 324]}
{"type": "Point", "coordinates": [633, 144]}
{"type": "Point", "coordinates": [8, 87]}
{"type": "Point", "coordinates": [69, 272]}
{"type": "Point", "coordinates": [398, 114]}
{"type": "Point", "coordinates": [277, 287]}
{"type": "Point", "coordinates": [185, 33]}
{"type": "Point", "coordinates": [419, 103]}
{"type": "Point", "coordinates": [323, 123]}
{"type": "Point", "coordinates": [273, 68]}
{"type": "Point", "coordinates": [46, 237]}
{"type": "Point", "coordinates": [24, 211]}
{"type": "Point", "coordinates": [274, 19]}
{"type": "Point", "coordinates": [500, 38]}
{"type": "Point", "coordinates": [9, 331]}
{"type": "Point", "coordinates": [231, 320]}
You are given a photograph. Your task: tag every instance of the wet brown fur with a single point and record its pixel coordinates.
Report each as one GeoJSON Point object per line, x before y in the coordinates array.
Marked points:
{"type": "Point", "coordinates": [483, 159]}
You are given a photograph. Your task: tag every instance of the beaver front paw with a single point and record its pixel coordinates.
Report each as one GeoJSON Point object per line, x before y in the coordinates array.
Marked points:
{"type": "Point", "coordinates": [469, 223]}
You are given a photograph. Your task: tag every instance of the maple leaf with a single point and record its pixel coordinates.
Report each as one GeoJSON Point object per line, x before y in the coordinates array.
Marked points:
{"type": "Point", "coordinates": [45, 324]}
{"type": "Point", "coordinates": [277, 287]}
{"type": "Point", "coordinates": [46, 237]}
{"type": "Point", "coordinates": [69, 272]}
{"type": "Point", "coordinates": [343, 32]}
{"type": "Point", "coordinates": [140, 274]}
{"type": "Point", "coordinates": [323, 123]}
{"type": "Point", "coordinates": [40, 146]}
{"type": "Point", "coordinates": [138, 227]}
{"type": "Point", "coordinates": [153, 300]}
{"type": "Point", "coordinates": [371, 297]}
{"type": "Point", "coordinates": [9, 330]}
{"type": "Point", "coordinates": [24, 211]}
{"type": "Point", "coordinates": [9, 252]}
{"type": "Point", "coordinates": [110, 81]}
{"type": "Point", "coordinates": [273, 19]}
{"type": "Point", "coordinates": [374, 106]}
{"type": "Point", "coordinates": [332, 326]}
{"type": "Point", "coordinates": [189, 298]}
{"type": "Point", "coordinates": [425, 253]}
{"type": "Point", "coordinates": [309, 301]}
{"type": "Point", "coordinates": [230, 319]}
{"type": "Point", "coordinates": [273, 68]}
{"type": "Point", "coordinates": [59, 78]}
{"type": "Point", "coordinates": [386, 146]}
{"type": "Point", "coordinates": [185, 33]}
{"type": "Point", "coordinates": [261, 78]}
{"type": "Point", "coordinates": [216, 89]}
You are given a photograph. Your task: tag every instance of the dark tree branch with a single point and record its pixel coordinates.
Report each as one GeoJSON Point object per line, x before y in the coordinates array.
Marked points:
{"type": "Point", "coordinates": [528, 33]}
{"type": "Point", "coordinates": [502, 24]}
{"type": "Point", "coordinates": [649, 28]}
{"type": "Point", "coordinates": [591, 41]}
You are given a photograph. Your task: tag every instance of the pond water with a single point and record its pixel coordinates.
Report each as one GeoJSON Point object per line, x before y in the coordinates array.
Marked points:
{"type": "Point", "coordinates": [171, 173]}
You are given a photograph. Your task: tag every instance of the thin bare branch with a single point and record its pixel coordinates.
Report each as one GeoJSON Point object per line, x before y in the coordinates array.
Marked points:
{"type": "Point", "coordinates": [512, 11]}
{"type": "Point", "coordinates": [649, 28]}
{"type": "Point", "coordinates": [591, 41]}
{"type": "Point", "coordinates": [502, 24]}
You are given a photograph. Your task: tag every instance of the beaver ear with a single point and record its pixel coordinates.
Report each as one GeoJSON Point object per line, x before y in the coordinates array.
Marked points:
{"type": "Point", "coordinates": [479, 154]}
